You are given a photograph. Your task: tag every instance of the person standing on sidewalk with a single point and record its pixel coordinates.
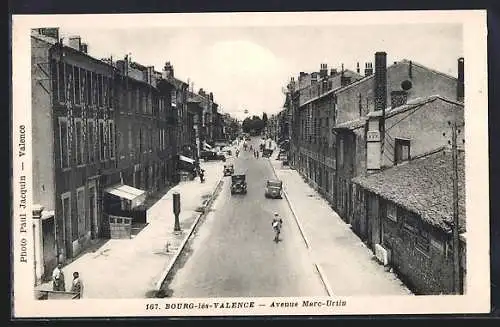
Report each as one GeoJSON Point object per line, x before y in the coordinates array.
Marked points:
{"type": "Point", "coordinates": [77, 285]}
{"type": "Point", "coordinates": [58, 279]}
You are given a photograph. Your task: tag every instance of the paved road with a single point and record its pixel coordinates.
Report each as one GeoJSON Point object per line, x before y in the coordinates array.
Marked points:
{"type": "Point", "coordinates": [234, 255]}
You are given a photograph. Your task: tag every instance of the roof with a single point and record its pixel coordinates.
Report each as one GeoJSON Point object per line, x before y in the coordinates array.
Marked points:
{"type": "Point", "coordinates": [389, 112]}
{"type": "Point", "coordinates": [54, 42]}
{"type": "Point", "coordinates": [423, 186]}
{"type": "Point", "coordinates": [403, 61]}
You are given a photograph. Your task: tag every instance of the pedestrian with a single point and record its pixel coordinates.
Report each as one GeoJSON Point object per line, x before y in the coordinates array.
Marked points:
{"type": "Point", "coordinates": [77, 285]}
{"type": "Point", "coordinates": [58, 279]}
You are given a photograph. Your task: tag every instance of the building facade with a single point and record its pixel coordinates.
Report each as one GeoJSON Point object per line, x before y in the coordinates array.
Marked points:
{"type": "Point", "coordinates": [101, 127]}
{"type": "Point", "coordinates": [366, 125]}
{"type": "Point", "coordinates": [409, 217]}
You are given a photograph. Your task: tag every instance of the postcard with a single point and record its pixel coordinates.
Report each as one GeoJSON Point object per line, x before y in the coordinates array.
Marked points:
{"type": "Point", "coordinates": [212, 164]}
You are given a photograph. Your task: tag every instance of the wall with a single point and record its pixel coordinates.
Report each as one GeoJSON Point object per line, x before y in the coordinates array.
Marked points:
{"type": "Point", "coordinates": [425, 82]}
{"type": "Point", "coordinates": [42, 143]}
{"type": "Point", "coordinates": [424, 127]}
{"type": "Point", "coordinates": [425, 271]}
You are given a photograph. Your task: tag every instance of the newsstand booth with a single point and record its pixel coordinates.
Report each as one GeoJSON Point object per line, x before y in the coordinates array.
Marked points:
{"type": "Point", "coordinates": [124, 208]}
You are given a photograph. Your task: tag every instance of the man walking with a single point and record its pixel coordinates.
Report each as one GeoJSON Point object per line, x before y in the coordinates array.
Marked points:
{"type": "Point", "coordinates": [58, 279]}
{"type": "Point", "coordinates": [77, 285]}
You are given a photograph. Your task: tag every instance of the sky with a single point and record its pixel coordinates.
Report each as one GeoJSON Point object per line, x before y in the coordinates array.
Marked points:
{"type": "Point", "coordinates": [247, 67]}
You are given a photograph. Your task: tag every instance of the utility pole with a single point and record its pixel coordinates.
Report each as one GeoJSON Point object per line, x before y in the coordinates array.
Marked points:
{"type": "Point", "coordinates": [457, 280]}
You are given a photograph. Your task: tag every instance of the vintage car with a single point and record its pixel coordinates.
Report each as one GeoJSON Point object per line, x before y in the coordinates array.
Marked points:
{"type": "Point", "coordinates": [267, 153]}
{"type": "Point", "coordinates": [228, 170]}
{"type": "Point", "coordinates": [238, 183]}
{"type": "Point", "coordinates": [274, 188]}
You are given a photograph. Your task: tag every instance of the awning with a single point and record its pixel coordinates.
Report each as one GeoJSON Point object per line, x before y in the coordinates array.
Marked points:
{"type": "Point", "coordinates": [186, 159]}
{"type": "Point", "coordinates": [127, 192]}
{"type": "Point", "coordinates": [206, 146]}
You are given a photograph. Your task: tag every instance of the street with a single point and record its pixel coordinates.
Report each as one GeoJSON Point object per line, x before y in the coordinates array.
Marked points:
{"type": "Point", "coordinates": [234, 255]}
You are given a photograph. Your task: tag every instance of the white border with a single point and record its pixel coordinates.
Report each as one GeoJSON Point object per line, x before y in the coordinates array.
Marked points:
{"type": "Point", "coordinates": [477, 299]}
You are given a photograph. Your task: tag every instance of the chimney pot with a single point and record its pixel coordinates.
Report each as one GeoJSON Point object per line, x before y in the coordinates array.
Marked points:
{"type": "Point", "coordinates": [75, 42]}
{"type": "Point", "coordinates": [368, 69]}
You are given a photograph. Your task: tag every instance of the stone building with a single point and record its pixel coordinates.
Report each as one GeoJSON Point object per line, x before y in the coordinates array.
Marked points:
{"type": "Point", "coordinates": [74, 144]}
{"type": "Point", "coordinates": [409, 214]}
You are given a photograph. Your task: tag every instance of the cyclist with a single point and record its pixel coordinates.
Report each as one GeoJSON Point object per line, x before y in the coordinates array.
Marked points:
{"type": "Point", "coordinates": [277, 223]}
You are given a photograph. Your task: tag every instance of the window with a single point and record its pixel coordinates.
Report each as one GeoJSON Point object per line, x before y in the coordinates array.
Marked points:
{"type": "Point", "coordinates": [61, 82]}
{"type": "Point", "coordinates": [70, 83]}
{"type": "Point", "coordinates": [66, 213]}
{"type": "Point", "coordinates": [99, 90]}
{"type": "Point", "coordinates": [392, 212]}
{"type": "Point", "coordinates": [173, 97]}
{"type": "Point", "coordinates": [150, 139]}
{"type": "Point", "coordinates": [130, 137]}
{"type": "Point", "coordinates": [139, 141]}
{"type": "Point", "coordinates": [55, 79]}
{"type": "Point", "coordinates": [63, 142]}
{"type": "Point", "coordinates": [95, 89]}
{"type": "Point", "coordinates": [137, 100]}
{"type": "Point", "coordinates": [423, 240]}
{"type": "Point", "coordinates": [401, 150]}
{"type": "Point", "coordinates": [80, 209]}
{"type": "Point", "coordinates": [102, 141]}
{"type": "Point", "coordinates": [79, 148]}
{"type": "Point", "coordinates": [112, 139]}
{"type": "Point", "coordinates": [76, 83]}
{"type": "Point", "coordinates": [91, 141]}
{"type": "Point", "coordinates": [341, 151]}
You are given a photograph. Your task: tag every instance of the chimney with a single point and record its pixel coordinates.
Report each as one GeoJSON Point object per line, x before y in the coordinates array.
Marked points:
{"type": "Point", "coordinates": [168, 70]}
{"type": "Point", "coordinates": [380, 84]}
{"type": "Point", "coordinates": [460, 80]}
{"type": "Point", "coordinates": [357, 67]}
{"type": "Point", "coordinates": [323, 72]}
{"type": "Point", "coordinates": [333, 71]}
{"type": "Point", "coordinates": [373, 142]}
{"type": "Point", "coordinates": [84, 48]}
{"type": "Point", "coordinates": [75, 42]}
{"type": "Point", "coordinates": [398, 98]}
{"type": "Point", "coordinates": [150, 73]}
{"type": "Point", "coordinates": [368, 69]}
{"type": "Point", "coordinates": [376, 124]}
{"type": "Point", "coordinates": [52, 32]}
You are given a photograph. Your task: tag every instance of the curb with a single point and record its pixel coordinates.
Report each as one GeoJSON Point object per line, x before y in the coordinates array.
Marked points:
{"type": "Point", "coordinates": [304, 237]}
{"type": "Point", "coordinates": [172, 263]}
{"type": "Point", "coordinates": [322, 275]}
{"type": "Point", "coordinates": [324, 280]}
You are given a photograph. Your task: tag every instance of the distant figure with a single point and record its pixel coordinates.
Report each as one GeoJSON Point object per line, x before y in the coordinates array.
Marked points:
{"type": "Point", "coordinates": [77, 285]}
{"type": "Point", "coordinates": [58, 279]}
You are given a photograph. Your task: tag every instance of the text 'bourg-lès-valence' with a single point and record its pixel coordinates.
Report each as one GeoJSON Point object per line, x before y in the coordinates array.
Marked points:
{"type": "Point", "coordinates": [22, 194]}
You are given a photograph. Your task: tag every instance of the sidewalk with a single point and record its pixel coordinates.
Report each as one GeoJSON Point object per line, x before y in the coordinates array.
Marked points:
{"type": "Point", "coordinates": [131, 268]}
{"type": "Point", "coordinates": [345, 263]}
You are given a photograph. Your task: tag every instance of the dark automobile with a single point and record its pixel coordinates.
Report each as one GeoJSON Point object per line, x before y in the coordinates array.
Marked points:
{"type": "Point", "coordinates": [267, 153]}
{"type": "Point", "coordinates": [228, 170]}
{"type": "Point", "coordinates": [273, 188]}
{"type": "Point", "coordinates": [238, 184]}
{"type": "Point", "coordinates": [212, 155]}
